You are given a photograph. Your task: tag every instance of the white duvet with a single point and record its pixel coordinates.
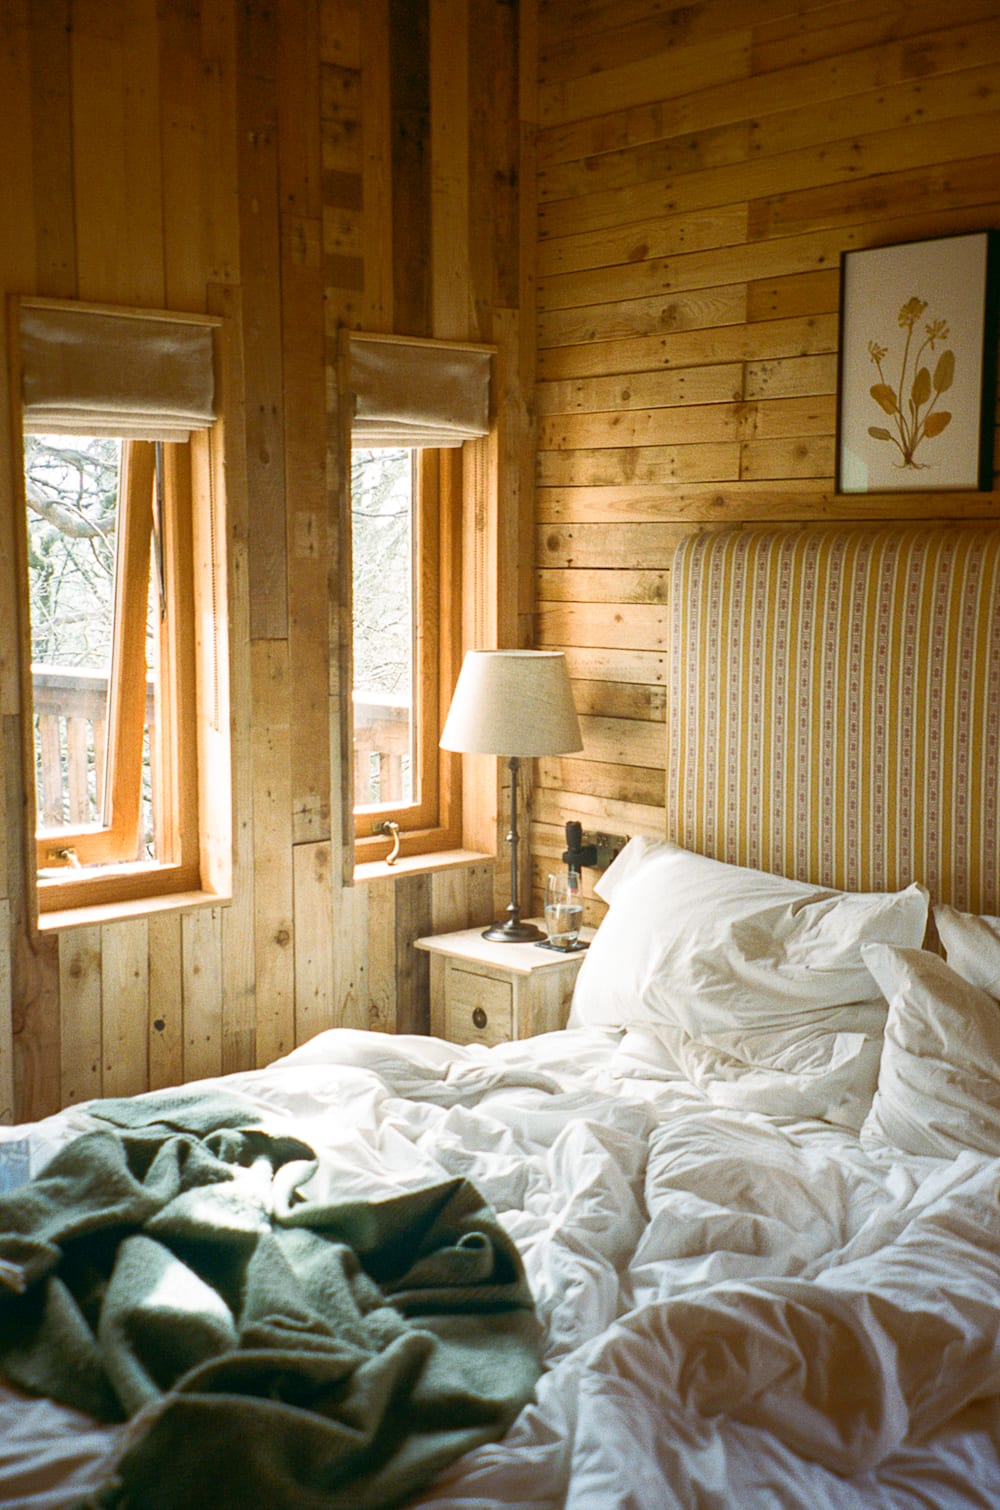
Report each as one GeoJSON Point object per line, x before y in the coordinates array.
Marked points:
{"type": "Point", "coordinates": [740, 1312]}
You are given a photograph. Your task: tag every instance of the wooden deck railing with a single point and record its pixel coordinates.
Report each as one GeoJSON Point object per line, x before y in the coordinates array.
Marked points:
{"type": "Point", "coordinates": [71, 728]}
{"type": "Point", "coordinates": [382, 749]}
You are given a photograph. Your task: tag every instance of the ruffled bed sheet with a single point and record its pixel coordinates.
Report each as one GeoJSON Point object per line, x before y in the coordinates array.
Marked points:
{"type": "Point", "coordinates": [738, 1309]}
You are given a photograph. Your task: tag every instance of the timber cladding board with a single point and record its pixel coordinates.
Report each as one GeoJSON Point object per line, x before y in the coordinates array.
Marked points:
{"type": "Point", "coordinates": [289, 168]}
{"type": "Point", "coordinates": [701, 169]}
{"type": "Point", "coordinates": [6, 1020]}
{"type": "Point", "coordinates": [682, 180]}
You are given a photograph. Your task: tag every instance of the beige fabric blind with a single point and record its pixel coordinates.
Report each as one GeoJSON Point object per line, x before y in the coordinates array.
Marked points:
{"type": "Point", "coordinates": [417, 393]}
{"type": "Point", "coordinates": [90, 371]}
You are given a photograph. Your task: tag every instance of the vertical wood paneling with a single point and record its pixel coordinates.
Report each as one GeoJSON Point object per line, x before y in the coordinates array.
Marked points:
{"type": "Point", "coordinates": [500, 162]}
{"type": "Point", "coordinates": [257, 106]}
{"type": "Point", "coordinates": [488, 249]}
{"type": "Point", "coordinates": [313, 897]}
{"type": "Point", "coordinates": [449, 901]}
{"type": "Point", "coordinates": [34, 961]}
{"type": "Point", "coordinates": [298, 71]}
{"type": "Point", "coordinates": [351, 947]}
{"type": "Point", "coordinates": [381, 896]}
{"type": "Point", "coordinates": [350, 200]}
{"type": "Point", "coordinates": [307, 545]}
{"type": "Point", "coordinates": [166, 1001]}
{"type": "Point", "coordinates": [414, 919]}
{"type": "Point", "coordinates": [273, 886]}
{"type": "Point", "coordinates": [201, 953]}
{"type": "Point", "coordinates": [17, 270]}
{"type": "Point", "coordinates": [80, 972]}
{"type": "Point", "coordinates": [7, 1110]}
{"type": "Point", "coordinates": [239, 1008]}
{"type": "Point", "coordinates": [119, 207]}
{"type": "Point", "coordinates": [290, 166]}
{"type": "Point", "coordinates": [124, 1007]}
{"type": "Point", "coordinates": [376, 210]}
{"type": "Point", "coordinates": [411, 166]}
{"type": "Point", "coordinates": [37, 245]}
{"type": "Point", "coordinates": [449, 179]}
{"type": "Point", "coordinates": [308, 529]}
{"type": "Point", "coordinates": [186, 151]}
{"type": "Point", "coordinates": [50, 118]}
{"type": "Point", "coordinates": [217, 92]}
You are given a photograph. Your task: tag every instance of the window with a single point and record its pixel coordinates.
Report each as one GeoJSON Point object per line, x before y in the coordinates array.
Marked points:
{"type": "Point", "coordinates": [405, 506]}
{"type": "Point", "coordinates": [125, 590]}
{"type": "Point", "coordinates": [385, 528]}
{"type": "Point", "coordinates": [413, 404]}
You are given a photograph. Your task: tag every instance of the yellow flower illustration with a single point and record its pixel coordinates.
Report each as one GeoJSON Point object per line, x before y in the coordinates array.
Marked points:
{"type": "Point", "coordinates": [916, 417]}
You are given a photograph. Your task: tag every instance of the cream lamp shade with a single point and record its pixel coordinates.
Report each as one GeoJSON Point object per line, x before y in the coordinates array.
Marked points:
{"type": "Point", "coordinates": [513, 702]}
{"type": "Point", "coordinates": [517, 703]}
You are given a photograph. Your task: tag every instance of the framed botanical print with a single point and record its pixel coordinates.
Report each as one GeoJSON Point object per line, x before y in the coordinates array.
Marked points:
{"type": "Point", "coordinates": [917, 367]}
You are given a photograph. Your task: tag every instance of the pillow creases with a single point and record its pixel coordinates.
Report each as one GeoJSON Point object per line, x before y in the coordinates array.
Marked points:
{"type": "Point", "coordinates": [753, 983]}
{"type": "Point", "coordinates": [972, 946]}
{"type": "Point", "coordinates": [939, 1079]}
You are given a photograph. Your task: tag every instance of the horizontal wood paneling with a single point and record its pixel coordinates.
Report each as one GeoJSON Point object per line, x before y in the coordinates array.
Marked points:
{"type": "Point", "coordinates": [700, 171]}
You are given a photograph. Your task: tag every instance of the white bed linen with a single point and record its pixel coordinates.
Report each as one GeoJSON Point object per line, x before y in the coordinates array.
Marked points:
{"type": "Point", "coordinates": [739, 1310]}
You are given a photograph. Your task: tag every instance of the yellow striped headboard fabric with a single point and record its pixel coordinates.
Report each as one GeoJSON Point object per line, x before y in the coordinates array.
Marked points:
{"type": "Point", "coordinates": [834, 706]}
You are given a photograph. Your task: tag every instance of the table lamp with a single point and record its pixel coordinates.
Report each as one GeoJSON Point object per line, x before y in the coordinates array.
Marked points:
{"type": "Point", "coordinates": [516, 703]}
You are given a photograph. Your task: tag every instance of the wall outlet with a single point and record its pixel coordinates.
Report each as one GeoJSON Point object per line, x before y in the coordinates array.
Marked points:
{"type": "Point", "coordinates": [608, 847]}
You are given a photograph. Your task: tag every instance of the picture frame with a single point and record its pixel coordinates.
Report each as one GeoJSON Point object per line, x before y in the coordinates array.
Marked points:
{"type": "Point", "coordinates": [916, 378]}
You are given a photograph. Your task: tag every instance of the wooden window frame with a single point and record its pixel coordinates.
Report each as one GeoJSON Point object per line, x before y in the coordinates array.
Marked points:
{"type": "Point", "coordinates": [116, 839]}
{"type": "Point", "coordinates": [434, 822]}
{"type": "Point", "coordinates": [192, 798]}
{"type": "Point", "coordinates": [192, 755]}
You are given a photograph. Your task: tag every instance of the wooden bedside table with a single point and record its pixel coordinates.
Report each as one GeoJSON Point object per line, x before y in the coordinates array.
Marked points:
{"type": "Point", "coordinates": [485, 992]}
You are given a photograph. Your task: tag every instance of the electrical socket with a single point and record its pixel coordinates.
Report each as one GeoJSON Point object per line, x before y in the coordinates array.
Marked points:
{"type": "Point", "coordinates": [608, 846]}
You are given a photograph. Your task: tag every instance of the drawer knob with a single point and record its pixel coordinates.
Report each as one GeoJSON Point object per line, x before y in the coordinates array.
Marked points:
{"type": "Point", "coordinates": [479, 1019]}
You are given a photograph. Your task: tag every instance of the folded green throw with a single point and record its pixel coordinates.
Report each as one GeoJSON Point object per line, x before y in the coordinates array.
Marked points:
{"type": "Point", "coordinates": [271, 1344]}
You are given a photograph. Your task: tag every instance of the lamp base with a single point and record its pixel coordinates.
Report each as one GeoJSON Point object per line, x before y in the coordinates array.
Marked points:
{"type": "Point", "coordinates": [513, 933]}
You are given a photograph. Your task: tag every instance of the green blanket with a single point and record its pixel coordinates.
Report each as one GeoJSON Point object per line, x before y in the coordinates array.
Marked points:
{"type": "Point", "coordinates": [271, 1344]}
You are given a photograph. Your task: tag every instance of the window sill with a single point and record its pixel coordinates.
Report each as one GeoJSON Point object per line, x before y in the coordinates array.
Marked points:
{"type": "Point", "coordinates": [127, 909]}
{"type": "Point", "coordinates": [443, 859]}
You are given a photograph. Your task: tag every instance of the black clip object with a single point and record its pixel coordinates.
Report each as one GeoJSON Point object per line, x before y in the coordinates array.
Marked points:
{"type": "Point", "coordinates": [576, 854]}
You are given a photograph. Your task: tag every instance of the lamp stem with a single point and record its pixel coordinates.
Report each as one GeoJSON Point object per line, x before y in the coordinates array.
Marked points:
{"type": "Point", "coordinates": [514, 766]}
{"type": "Point", "coordinates": [513, 931]}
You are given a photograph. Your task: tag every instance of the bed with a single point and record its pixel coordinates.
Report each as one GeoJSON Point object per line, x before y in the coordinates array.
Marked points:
{"type": "Point", "coordinates": [744, 1212]}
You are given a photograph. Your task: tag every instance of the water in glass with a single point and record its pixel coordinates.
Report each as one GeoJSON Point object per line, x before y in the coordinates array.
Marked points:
{"type": "Point", "coordinates": [563, 908]}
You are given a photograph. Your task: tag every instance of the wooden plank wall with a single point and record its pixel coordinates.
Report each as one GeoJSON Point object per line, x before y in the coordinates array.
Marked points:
{"type": "Point", "coordinates": [288, 165]}
{"type": "Point", "coordinates": [697, 171]}
{"type": "Point", "coordinates": [701, 167]}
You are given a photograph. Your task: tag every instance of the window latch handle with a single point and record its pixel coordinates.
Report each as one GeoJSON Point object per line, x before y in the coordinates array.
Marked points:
{"type": "Point", "coordinates": [390, 828]}
{"type": "Point", "coordinates": [66, 855]}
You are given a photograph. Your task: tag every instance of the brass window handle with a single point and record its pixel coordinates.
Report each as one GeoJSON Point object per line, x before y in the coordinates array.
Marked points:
{"type": "Point", "coordinates": [391, 829]}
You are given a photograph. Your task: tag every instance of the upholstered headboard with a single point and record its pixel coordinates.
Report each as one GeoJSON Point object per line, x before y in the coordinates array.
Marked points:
{"type": "Point", "coordinates": [834, 705]}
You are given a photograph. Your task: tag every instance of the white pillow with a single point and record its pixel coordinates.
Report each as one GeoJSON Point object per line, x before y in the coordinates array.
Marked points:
{"type": "Point", "coordinates": [939, 1080]}
{"type": "Point", "coordinates": [972, 946]}
{"type": "Point", "coordinates": [754, 983]}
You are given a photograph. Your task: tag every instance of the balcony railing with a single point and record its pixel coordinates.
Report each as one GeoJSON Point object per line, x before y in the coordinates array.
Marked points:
{"type": "Point", "coordinates": [71, 732]}
{"type": "Point", "coordinates": [71, 709]}
{"type": "Point", "coordinates": [383, 749]}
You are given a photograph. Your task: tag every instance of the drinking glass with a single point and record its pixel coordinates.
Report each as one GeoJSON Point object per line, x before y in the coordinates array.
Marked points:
{"type": "Point", "coordinates": [563, 908]}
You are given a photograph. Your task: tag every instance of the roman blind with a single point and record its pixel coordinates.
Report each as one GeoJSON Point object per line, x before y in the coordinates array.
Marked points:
{"type": "Point", "coordinates": [409, 392]}
{"type": "Point", "coordinates": [96, 370]}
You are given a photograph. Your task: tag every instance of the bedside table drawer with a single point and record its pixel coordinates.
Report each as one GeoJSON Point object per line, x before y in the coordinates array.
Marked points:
{"type": "Point", "coordinates": [485, 991]}
{"type": "Point", "coordinates": [478, 1008]}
